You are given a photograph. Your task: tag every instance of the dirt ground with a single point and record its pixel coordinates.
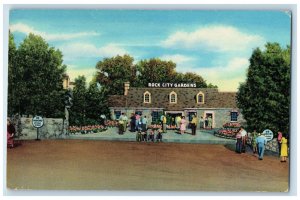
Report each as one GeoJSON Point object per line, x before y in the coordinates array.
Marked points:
{"type": "Point", "coordinates": [109, 165]}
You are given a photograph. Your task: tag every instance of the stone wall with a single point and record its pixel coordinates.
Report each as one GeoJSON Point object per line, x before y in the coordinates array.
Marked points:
{"type": "Point", "coordinates": [52, 128]}
{"type": "Point", "coordinates": [272, 145]}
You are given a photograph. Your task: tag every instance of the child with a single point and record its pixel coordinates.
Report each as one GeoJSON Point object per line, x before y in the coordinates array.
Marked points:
{"type": "Point", "coordinates": [144, 135]}
{"type": "Point", "coordinates": [151, 135]}
{"type": "Point", "coordinates": [159, 136]}
{"type": "Point", "coordinates": [139, 133]}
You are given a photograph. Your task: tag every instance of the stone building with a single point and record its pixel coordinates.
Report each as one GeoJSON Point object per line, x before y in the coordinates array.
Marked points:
{"type": "Point", "coordinates": [172, 101]}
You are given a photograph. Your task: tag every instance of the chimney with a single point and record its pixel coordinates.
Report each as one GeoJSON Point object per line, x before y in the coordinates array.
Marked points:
{"type": "Point", "coordinates": [126, 87]}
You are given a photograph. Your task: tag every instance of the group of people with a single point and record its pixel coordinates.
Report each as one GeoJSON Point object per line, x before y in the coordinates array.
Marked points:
{"type": "Point", "coordinates": [206, 123]}
{"type": "Point", "coordinates": [149, 135]}
{"type": "Point", "coordinates": [258, 143]}
{"type": "Point", "coordinates": [140, 122]}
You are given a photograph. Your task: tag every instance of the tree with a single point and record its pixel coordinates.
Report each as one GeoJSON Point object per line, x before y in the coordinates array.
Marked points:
{"type": "Point", "coordinates": [113, 72]}
{"type": "Point", "coordinates": [13, 81]}
{"type": "Point", "coordinates": [96, 103]}
{"type": "Point", "coordinates": [265, 96]}
{"type": "Point", "coordinates": [155, 70]}
{"type": "Point", "coordinates": [78, 110]}
{"type": "Point", "coordinates": [35, 78]}
{"type": "Point", "coordinates": [190, 77]}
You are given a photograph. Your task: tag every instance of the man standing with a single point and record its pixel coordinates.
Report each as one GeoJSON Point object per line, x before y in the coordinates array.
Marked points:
{"type": "Point", "coordinates": [144, 124]}
{"type": "Point", "coordinates": [194, 124]}
{"type": "Point", "coordinates": [201, 122]}
{"type": "Point", "coordinates": [163, 120]}
{"type": "Point", "coordinates": [121, 124]}
{"type": "Point", "coordinates": [244, 138]}
{"type": "Point", "coordinates": [125, 119]}
{"type": "Point", "coordinates": [261, 141]}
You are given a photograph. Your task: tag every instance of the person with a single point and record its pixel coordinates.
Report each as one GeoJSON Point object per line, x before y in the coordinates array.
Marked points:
{"type": "Point", "coordinates": [139, 135]}
{"type": "Point", "coordinates": [284, 149]}
{"type": "Point", "coordinates": [261, 141]}
{"type": "Point", "coordinates": [194, 124]}
{"type": "Point", "coordinates": [244, 138]}
{"type": "Point", "coordinates": [253, 142]}
{"type": "Point", "coordinates": [125, 119]}
{"type": "Point", "coordinates": [209, 122]}
{"type": "Point", "coordinates": [144, 123]}
{"type": "Point", "coordinates": [238, 145]}
{"type": "Point", "coordinates": [102, 119]}
{"type": "Point", "coordinates": [206, 122]}
{"type": "Point", "coordinates": [164, 123]}
{"type": "Point", "coordinates": [201, 122]}
{"type": "Point", "coordinates": [144, 135]}
{"type": "Point", "coordinates": [137, 118]}
{"type": "Point", "coordinates": [279, 137]}
{"type": "Point", "coordinates": [182, 125]}
{"type": "Point", "coordinates": [151, 135]}
{"type": "Point", "coordinates": [159, 136]}
{"type": "Point", "coordinates": [10, 134]}
{"type": "Point", "coordinates": [161, 119]}
{"type": "Point", "coordinates": [121, 124]}
{"type": "Point", "coordinates": [178, 119]}
{"type": "Point", "coordinates": [132, 123]}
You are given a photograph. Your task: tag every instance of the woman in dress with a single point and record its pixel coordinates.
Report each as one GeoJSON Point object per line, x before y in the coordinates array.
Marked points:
{"type": "Point", "coordinates": [279, 136]}
{"type": "Point", "coordinates": [182, 125]}
{"type": "Point", "coordinates": [10, 134]}
{"type": "Point", "coordinates": [284, 149]}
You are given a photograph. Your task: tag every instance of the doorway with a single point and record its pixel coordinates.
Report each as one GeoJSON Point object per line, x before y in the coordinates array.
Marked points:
{"type": "Point", "coordinates": [209, 120]}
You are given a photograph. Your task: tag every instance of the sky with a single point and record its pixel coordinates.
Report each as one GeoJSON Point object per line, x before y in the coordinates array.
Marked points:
{"type": "Point", "coordinates": [215, 44]}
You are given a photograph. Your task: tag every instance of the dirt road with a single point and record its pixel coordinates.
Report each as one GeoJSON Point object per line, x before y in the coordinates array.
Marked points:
{"type": "Point", "coordinates": [103, 165]}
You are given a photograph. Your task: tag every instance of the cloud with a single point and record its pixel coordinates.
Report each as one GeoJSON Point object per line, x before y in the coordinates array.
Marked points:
{"type": "Point", "coordinates": [74, 72]}
{"type": "Point", "coordinates": [87, 50]}
{"type": "Point", "coordinates": [218, 38]}
{"type": "Point", "coordinates": [23, 28]}
{"type": "Point", "coordinates": [227, 77]}
{"type": "Point", "coordinates": [177, 58]}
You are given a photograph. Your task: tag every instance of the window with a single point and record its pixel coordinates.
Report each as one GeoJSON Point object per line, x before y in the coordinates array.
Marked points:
{"type": "Point", "coordinates": [173, 97]}
{"type": "Point", "coordinates": [200, 98]}
{"type": "Point", "coordinates": [156, 116]}
{"type": "Point", "coordinates": [191, 114]}
{"type": "Point", "coordinates": [233, 116]}
{"type": "Point", "coordinates": [117, 114]}
{"type": "Point", "coordinates": [147, 97]}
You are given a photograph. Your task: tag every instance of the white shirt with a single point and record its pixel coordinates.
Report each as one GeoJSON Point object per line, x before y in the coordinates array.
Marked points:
{"type": "Point", "coordinates": [243, 133]}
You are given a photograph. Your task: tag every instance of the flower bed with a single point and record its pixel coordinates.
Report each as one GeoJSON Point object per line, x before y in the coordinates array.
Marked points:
{"type": "Point", "coordinates": [155, 126]}
{"type": "Point", "coordinates": [111, 123]}
{"type": "Point", "coordinates": [87, 129]}
{"type": "Point", "coordinates": [229, 130]}
{"type": "Point", "coordinates": [171, 127]}
{"type": "Point", "coordinates": [232, 125]}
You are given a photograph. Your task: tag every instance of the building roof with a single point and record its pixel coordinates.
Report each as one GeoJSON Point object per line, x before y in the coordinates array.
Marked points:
{"type": "Point", "coordinates": [186, 98]}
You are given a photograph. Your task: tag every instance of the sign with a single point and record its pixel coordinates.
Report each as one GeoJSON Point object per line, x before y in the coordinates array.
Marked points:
{"type": "Point", "coordinates": [37, 122]}
{"type": "Point", "coordinates": [172, 85]}
{"type": "Point", "coordinates": [268, 134]}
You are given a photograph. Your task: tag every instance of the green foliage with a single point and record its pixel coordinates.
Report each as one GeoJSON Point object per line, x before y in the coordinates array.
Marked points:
{"type": "Point", "coordinates": [155, 70]}
{"type": "Point", "coordinates": [190, 77]}
{"type": "Point", "coordinates": [35, 78]}
{"type": "Point", "coordinates": [265, 96]}
{"type": "Point", "coordinates": [88, 103]}
{"type": "Point", "coordinates": [113, 72]}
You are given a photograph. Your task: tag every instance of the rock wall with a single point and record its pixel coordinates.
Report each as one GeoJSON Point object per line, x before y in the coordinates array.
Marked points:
{"type": "Point", "coordinates": [52, 129]}
{"type": "Point", "coordinates": [272, 145]}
